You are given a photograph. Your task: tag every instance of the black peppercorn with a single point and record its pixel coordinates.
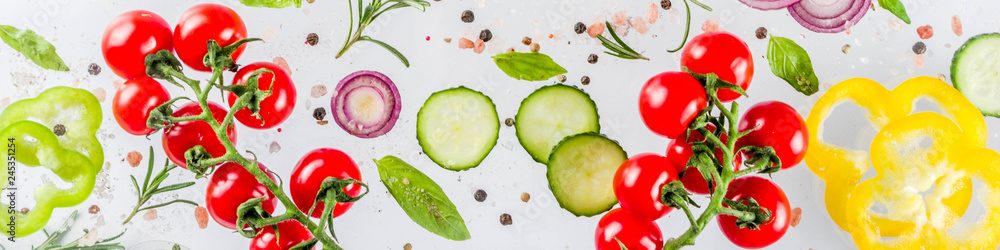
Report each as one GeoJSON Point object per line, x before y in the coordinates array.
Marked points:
{"type": "Point", "coordinates": [486, 35]}
{"type": "Point", "coordinates": [919, 48]}
{"type": "Point", "coordinates": [509, 122]}
{"type": "Point", "coordinates": [59, 130]}
{"type": "Point", "coordinates": [592, 59]}
{"type": "Point", "coordinates": [665, 4]}
{"type": "Point", "coordinates": [312, 39]}
{"type": "Point", "coordinates": [467, 16]}
{"type": "Point", "coordinates": [94, 69]}
{"type": "Point", "coordinates": [585, 80]}
{"type": "Point", "coordinates": [506, 220]}
{"type": "Point", "coordinates": [319, 113]}
{"type": "Point", "coordinates": [761, 33]}
{"type": "Point", "coordinates": [480, 195]}
{"type": "Point", "coordinates": [580, 27]}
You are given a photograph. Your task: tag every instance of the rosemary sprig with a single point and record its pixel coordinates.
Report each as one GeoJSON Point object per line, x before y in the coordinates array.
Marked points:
{"type": "Point", "coordinates": [50, 241]}
{"type": "Point", "coordinates": [368, 15]}
{"type": "Point", "coordinates": [687, 28]}
{"type": "Point", "coordinates": [620, 49]}
{"type": "Point", "coordinates": [149, 189]}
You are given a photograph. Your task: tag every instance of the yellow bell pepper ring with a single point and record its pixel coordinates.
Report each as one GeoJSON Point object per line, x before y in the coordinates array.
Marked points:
{"type": "Point", "coordinates": [893, 200]}
{"type": "Point", "coordinates": [36, 145]}
{"type": "Point", "coordinates": [842, 169]}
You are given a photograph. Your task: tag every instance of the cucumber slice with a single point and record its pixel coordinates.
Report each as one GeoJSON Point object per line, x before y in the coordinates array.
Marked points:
{"type": "Point", "coordinates": [975, 71]}
{"type": "Point", "coordinates": [581, 171]}
{"type": "Point", "coordinates": [552, 113]}
{"type": "Point", "coordinates": [457, 128]}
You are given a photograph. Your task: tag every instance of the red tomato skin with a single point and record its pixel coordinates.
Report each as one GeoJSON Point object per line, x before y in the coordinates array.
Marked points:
{"type": "Point", "coordinates": [670, 101]}
{"type": "Point", "coordinates": [292, 233]}
{"type": "Point", "coordinates": [134, 100]}
{"type": "Point", "coordinates": [232, 185]}
{"type": "Point", "coordinates": [779, 126]}
{"type": "Point", "coordinates": [185, 135]}
{"type": "Point", "coordinates": [274, 109]}
{"type": "Point", "coordinates": [769, 196]}
{"type": "Point", "coordinates": [638, 182]}
{"type": "Point", "coordinates": [310, 172]}
{"type": "Point", "coordinates": [679, 152]}
{"type": "Point", "coordinates": [725, 55]}
{"type": "Point", "coordinates": [636, 234]}
{"type": "Point", "coordinates": [205, 22]}
{"type": "Point", "coordinates": [130, 37]}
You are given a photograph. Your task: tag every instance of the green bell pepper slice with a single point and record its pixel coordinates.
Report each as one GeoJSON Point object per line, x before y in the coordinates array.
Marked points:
{"type": "Point", "coordinates": [36, 145]}
{"type": "Point", "coordinates": [77, 110]}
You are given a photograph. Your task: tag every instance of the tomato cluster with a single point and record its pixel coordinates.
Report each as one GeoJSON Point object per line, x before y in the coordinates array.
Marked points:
{"type": "Point", "coordinates": [133, 36]}
{"type": "Point", "coordinates": [668, 103]}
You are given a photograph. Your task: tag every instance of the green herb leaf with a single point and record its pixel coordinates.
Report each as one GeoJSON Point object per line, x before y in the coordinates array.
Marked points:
{"type": "Point", "coordinates": [528, 66]}
{"type": "Point", "coordinates": [277, 4]}
{"type": "Point", "coordinates": [790, 62]}
{"type": "Point", "coordinates": [33, 47]}
{"type": "Point", "coordinates": [896, 7]}
{"type": "Point", "coordinates": [422, 199]}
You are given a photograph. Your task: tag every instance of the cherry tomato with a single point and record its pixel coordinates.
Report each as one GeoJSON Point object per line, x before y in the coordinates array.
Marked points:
{"type": "Point", "coordinates": [232, 185]}
{"type": "Point", "coordinates": [679, 152]}
{"type": "Point", "coordinates": [134, 100]}
{"type": "Point", "coordinates": [778, 126]}
{"type": "Point", "coordinates": [185, 135]}
{"type": "Point", "coordinates": [638, 182]}
{"type": "Point", "coordinates": [310, 172]}
{"type": "Point", "coordinates": [275, 108]}
{"type": "Point", "coordinates": [130, 37]}
{"type": "Point", "coordinates": [725, 55]}
{"type": "Point", "coordinates": [205, 22]}
{"type": "Point", "coordinates": [769, 196]}
{"type": "Point", "coordinates": [636, 234]}
{"type": "Point", "coordinates": [292, 233]}
{"type": "Point", "coordinates": [670, 101]}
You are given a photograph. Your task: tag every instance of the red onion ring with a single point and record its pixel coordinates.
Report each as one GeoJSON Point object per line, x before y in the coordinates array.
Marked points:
{"type": "Point", "coordinates": [366, 104]}
{"type": "Point", "coordinates": [769, 4]}
{"type": "Point", "coordinates": [832, 17]}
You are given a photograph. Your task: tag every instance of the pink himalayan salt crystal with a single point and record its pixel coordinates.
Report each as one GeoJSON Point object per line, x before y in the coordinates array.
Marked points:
{"type": "Point", "coordinates": [925, 31]}
{"type": "Point", "coordinates": [639, 25]}
{"type": "Point", "coordinates": [710, 25]}
{"type": "Point", "coordinates": [100, 93]}
{"type": "Point", "coordinates": [465, 43]}
{"type": "Point", "coordinates": [201, 215]}
{"type": "Point", "coordinates": [280, 61]}
{"type": "Point", "coordinates": [918, 61]}
{"type": "Point", "coordinates": [595, 29]}
{"type": "Point", "coordinates": [479, 46]}
{"type": "Point", "coordinates": [619, 19]}
{"type": "Point", "coordinates": [956, 25]}
{"type": "Point", "coordinates": [317, 91]}
{"type": "Point", "coordinates": [149, 215]}
{"type": "Point", "coordinates": [652, 13]}
{"type": "Point", "coordinates": [118, 83]}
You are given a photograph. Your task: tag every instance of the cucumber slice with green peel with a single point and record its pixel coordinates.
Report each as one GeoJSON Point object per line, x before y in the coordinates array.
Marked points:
{"type": "Point", "coordinates": [975, 71]}
{"type": "Point", "coordinates": [457, 128]}
{"type": "Point", "coordinates": [581, 171]}
{"type": "Point", "coordinates": [552, 113]}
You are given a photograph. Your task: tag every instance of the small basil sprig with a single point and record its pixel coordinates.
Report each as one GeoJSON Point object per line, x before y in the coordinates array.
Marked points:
{"type": "Point", "coordinates": [532, 66]}
{"type": "Point", "coordinates": [277, 4]}
{"type": "Point", "coordinates": [422, 199]}
{"type": "Point", "coordinates": [33, 47]}
{"type": "Point", "coordinates": [791, 63]}
{"type": "Point", "coordinates": [896, 7]}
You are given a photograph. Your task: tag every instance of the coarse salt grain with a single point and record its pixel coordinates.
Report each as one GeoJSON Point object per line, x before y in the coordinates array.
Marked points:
{"type": "Point", "coordinates": [100, 94]}
{"type": "Point", "coordinates": [918, 61]}
{"type": "Point", "coordinates": [710, 25]}
{"type": "Point", "coordinates": [619, 19]}
{"type": "Point", "coordinates": [318, 91]}
{"type": "Point", "coordinates": [639, 25]}
{"type": "Point", "coordinates": [652, 13]}
{"type": "Point", "coordinates": [595, 29]}
{"type": "Point", "coordinates": [956, 25]}
{"type": "Point", "coordinates": [464, 43]}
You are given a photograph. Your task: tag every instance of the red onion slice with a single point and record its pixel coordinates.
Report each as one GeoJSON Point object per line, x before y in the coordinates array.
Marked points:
{"type": "Point", "coordinates": [829, 16]}
{"type": "Point", "coordinates": [769, 4]}
{"type": "Point", "coordinates": [366, 104]}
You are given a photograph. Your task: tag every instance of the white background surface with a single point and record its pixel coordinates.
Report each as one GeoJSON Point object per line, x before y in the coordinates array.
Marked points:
{"type": "Point", "coordinates": [880, 51]}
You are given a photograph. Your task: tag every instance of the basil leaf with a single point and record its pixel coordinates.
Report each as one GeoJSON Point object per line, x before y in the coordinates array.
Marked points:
{"type": "Point", "coordinates": [33, 47]}
{"type": "Point", "coordinates": [790, 62]}
{"type": "Point", "coordinates": [896, 7]}
{"type": "Point", "coordinates": [277, 4]}
{"type": "Point", "coordinates": [422, 199]}
{"type": "Point", "coordinates": [528, 66]}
